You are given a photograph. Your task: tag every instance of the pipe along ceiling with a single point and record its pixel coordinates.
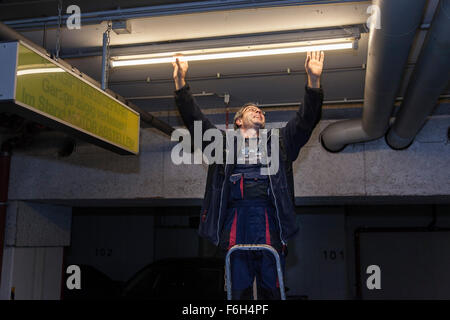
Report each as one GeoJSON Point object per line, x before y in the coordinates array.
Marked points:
{"type": "Point", "coordinates": [388, 52]}
{"type": "Point", "coordinates": [429, 79]}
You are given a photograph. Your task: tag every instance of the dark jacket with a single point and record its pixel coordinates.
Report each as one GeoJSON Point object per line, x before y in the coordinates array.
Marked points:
{"type": "Point", "coordinates": [292, 137]}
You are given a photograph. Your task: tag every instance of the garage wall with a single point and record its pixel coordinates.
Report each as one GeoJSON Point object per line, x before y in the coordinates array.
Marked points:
{"type": "Point", "coordinates": [321, 263]}
{"type": "Point", "coordinates": [422, 256]}
{"type": "Point", "coordinates": [316, 262]}
{"type": "Point", "coordinates": [117, 245]}
{"type": "Point", "coordinates": [369, 169]}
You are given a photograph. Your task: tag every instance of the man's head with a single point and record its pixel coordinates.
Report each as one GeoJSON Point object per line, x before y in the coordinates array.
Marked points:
{"type": "Point", "coordinates": [249, 116]}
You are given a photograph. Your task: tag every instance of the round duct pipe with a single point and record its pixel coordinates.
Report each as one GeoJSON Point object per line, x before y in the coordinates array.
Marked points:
{"type": "Point", "coordinates": [428, 80]}
{"type": "Point", "coordinates": [388, 53]}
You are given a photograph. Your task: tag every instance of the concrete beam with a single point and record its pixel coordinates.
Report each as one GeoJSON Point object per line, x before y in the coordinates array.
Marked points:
{"type": "Point", "coordinates": [362, 170]}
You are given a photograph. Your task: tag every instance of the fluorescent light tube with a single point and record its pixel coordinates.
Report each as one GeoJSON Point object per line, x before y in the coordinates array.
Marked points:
{"type": "Point", "coordinates": [38, 70]}
{"type": "Point", "coordinates": [119, 62]}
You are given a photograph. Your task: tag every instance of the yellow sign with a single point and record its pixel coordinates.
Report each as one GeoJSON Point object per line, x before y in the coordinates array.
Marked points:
{"type": "Point", "coordinates": [56, 93]}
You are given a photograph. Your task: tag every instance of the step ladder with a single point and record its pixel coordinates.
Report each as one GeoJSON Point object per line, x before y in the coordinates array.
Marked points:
{"type": "Point", "coordinates": [251, 247]}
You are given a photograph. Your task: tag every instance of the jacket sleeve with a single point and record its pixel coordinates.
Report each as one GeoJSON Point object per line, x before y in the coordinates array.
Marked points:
{"type": "Point", "coordinates": [298, 130]}
{"type": "Point", "coordinates": [190, 111]}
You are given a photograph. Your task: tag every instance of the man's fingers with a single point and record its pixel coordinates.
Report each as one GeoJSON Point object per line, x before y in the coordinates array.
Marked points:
{"type": "Point", "coordinates": [316, 55]}
{"type": "Point", "coordinates": [308, 57]}
{"type": "Point", "coordinates": [181, 63]}
{"type": "Point", "coordinates": [177, 61]}
{"type": "Point", "coordinates": [322, 56]}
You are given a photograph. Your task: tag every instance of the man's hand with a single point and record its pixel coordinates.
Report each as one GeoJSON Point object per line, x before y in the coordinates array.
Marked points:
{"type": "Point", "coordinates": [180, 69]}
{"type": "Point", "coordinates": [314, 67]}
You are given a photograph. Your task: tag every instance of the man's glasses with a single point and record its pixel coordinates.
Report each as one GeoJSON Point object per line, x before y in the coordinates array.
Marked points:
{"type": "Point", "coordinates": [255, 110]}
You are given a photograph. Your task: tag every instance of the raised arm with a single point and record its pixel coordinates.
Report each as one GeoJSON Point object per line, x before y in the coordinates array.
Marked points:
{"type": "Point", "coordinates": [187, 106]}
{"type": "Point", "coordinates": [298, 130]}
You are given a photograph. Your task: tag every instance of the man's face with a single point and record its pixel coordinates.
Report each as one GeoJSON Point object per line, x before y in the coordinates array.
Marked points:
{"type": "Point", "coordinates": [252, 117]}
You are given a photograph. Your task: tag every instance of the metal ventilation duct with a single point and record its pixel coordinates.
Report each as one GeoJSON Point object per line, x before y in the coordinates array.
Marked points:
{"type": "Point", "coordinates": [388, 52]}
{"type": "Point", "coordinates": [429, 78]}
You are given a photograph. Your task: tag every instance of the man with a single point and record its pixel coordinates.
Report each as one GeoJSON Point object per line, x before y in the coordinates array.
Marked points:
{"type": "Point", "coordinates": [242, 205]}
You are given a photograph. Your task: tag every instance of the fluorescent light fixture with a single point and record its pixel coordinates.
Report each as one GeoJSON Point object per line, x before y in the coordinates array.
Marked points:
{"type": "Point", "coordinates": [38, 70]}
{"type": "Point", "coordinates": [235, 52]}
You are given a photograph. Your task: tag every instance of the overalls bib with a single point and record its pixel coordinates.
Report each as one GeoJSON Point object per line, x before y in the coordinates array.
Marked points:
{"type": "Point", "coordinates": [251, 219]}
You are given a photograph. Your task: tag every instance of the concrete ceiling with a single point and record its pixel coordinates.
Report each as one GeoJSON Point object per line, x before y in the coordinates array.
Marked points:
{"type": "Point", "coordinates": [263, 79]}
{"type": "Point", "coordinates": [14, 9]}
{"type": "Point", "coordinates": [214, 24]}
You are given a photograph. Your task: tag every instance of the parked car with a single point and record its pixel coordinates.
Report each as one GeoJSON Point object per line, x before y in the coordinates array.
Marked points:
{"type": "Point", "coordinates": [178, 278]}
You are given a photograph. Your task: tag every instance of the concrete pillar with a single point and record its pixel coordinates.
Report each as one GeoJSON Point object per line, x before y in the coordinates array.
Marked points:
{"type": "Point", "coordinates": [33, 255]}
